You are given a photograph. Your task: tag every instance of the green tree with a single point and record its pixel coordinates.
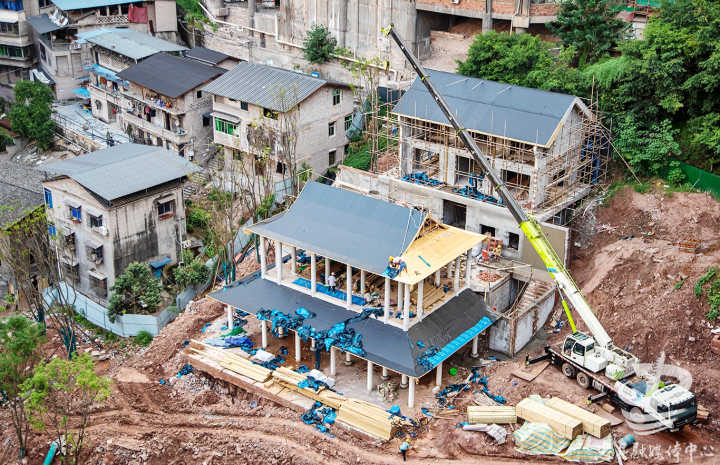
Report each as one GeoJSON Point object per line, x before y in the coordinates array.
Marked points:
{"type": "Point", "coordinates": [194, 271]}
{"type": "Point", "coordinates": [30, 116]}
{"type": "Point", "coordinates": [19, 342]}
{"type": "Point", "coordinates": [62, 395]}
{"type": "Point", "coordinates": [135, 286]}
{"type": "Point", "coordinates": [646, 149]}
{"type": "Point", "coordinates": [319, 45]}
{"type": "Point", "coordinates": [590, 26]}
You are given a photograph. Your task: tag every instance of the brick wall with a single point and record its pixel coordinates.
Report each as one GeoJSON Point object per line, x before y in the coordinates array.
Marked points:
{"type": "Point", "coordinates": [503, 7]}
{"type": "Point", "coordinates": [544, 10]}
{"type": "Point", "coordinates": [475, 5]}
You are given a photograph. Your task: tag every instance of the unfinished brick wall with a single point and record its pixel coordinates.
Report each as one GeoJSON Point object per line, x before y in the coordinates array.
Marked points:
{"type": "Point", "coordinates": [503, 7]}
{"type": "Point", "coordinates": [544, 10]}
{"type": "Point", "coordinates": [475, 5]}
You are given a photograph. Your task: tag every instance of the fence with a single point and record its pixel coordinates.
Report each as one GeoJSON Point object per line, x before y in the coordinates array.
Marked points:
{"type": "Point", "coordinates": [696, 177]}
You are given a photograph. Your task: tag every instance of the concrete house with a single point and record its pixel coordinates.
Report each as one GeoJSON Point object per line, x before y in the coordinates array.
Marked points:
{"type": "Point", "coordinates": [248, 92]}
{"type": "Point", "coordinates": [112, 51]}
{"type": "Point", "coordinates": [114, 207]}
{"type": "Point", "coordinates": [165, 104]}
{"type": "Point", "coordinates": [17, 53]}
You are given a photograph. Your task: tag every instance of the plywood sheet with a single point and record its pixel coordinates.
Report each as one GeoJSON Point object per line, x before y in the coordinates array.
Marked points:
{"type": "Point", "coordinates": [529, 373]}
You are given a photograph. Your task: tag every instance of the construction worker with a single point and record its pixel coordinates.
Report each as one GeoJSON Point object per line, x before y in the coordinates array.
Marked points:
{"type": "Point", "coordinates": [404, 448]}
{"type": "Point", "coordinates": [391, 263]}
{"type": "Point", "coordinates": [332, 282]}
{"type": "Point", "coordinates": [368, 298]}
{"type": "Point", "coordinates": [589, 400]}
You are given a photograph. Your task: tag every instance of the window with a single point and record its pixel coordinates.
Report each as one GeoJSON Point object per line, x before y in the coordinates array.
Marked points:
{"type": "Point", "coordinates": [225, 126]}
{"type": "Point", "coordinates": [280, 168]}
{"type": "Point", "coordinates": [513, 241]}
{"type": "Point", "coordinates": [568, 345]}
{"type": "Point", "coordinates": [348, 122]}
{"type": "Point", "coordinates": [51, 230]}
{"type": "Point", "coordinates": [43, 53]}
{"type": "Point", "coordinates": [336, 97]}
{"type": "Point", "coordinates": [206, 121]}
{"type": "Point", "coordinates": [579, 350]}
{"type": "Point", "coordinates": [331, 157]}
{"type": "Point", "coordinates": [270, 113]}
{"type": "Point", "coordinates": [95, 221]}
{"type": "Point", "coordinates": [16, 5]}
{"type": "Point", "coordinates": [331, 129]}
{"type": "Point", "coordinates": [94, 253]}
{"type": "Point", "coordinates": [244, 106]}
{"type": "Point", "coordinates": [71, 270]}
{"type": "Point", "coordinates": [76, 214]}
{"type": "Point", "coordinates": [165, 209]}
{"type": "Point", "coordinates": [487, 230]}
{"type": "Point", "coordinates": [199, 94]}
{"type": "Point", "coordinates": [97, 284]}
{"type": "Point", "coordinates": [48, 198]}
{"type": "Point", "coordinates": [69, 241]}
{"type": "Point", "coordinates": [10, 29]}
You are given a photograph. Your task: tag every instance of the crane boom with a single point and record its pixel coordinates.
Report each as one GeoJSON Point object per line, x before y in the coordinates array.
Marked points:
{"type": "Point", "coordinates": [528, 224]}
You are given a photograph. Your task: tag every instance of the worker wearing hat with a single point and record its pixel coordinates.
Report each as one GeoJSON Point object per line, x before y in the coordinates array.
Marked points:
{"type": "Point", "coordinates": [332, 282]}
{"type": "Point", "coordinates": [404, 448]}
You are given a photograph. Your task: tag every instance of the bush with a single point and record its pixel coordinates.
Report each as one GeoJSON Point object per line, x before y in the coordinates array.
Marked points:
{"type": "Point", "coordinates": [320, 45]}
{"type": "Point", "coordinates": [197, 218]}
{"type": "Point", "coordinates": [358, 156]}
{"type": "Point", "coordinates": [676, 175]}
{"type": "Point", "coordinates": [143, 338]}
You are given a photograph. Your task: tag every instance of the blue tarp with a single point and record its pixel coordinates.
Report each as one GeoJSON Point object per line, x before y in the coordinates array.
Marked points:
{"type": "Point", "coordinates": [451, 347]}
{"type": "Point", "coordinates": [325, 290]}
{"type": "Point", "coordinates": [161, 262]}
{"type": "Point", "coordinates": [107, 74]}
{"type": "Point", "coordinates": [82, 92]}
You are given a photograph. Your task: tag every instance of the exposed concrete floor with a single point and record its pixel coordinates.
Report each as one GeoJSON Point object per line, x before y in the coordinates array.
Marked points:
{"type": "Point", "coordinates": [74, 118]}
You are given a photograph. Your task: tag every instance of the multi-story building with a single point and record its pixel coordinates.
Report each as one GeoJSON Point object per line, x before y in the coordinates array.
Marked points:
{"type": "Point", "coordinates": [59, 22]}
{"type": "Point", "coordinates": [250, 92]}
{"type": "Point", "coordinates": [17, 54]}
{"type": "Point", "coordinates": [116, 206]}
{"type": "Point", "coordinates": [165, 104]}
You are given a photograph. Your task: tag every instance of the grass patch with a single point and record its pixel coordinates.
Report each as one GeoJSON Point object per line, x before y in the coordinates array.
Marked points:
{"type": "Point", "coordinates": [143, 338]}
{"type": "Point", "coordinates": [710, 281]}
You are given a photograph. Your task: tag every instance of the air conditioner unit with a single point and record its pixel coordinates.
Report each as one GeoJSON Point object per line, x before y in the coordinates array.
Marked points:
{"type": "Point", "coordinates": [455, 1]}
{"type": "Point", "coordinates": [77, 46]}
{"type": "Point", "coordinates": [103, 230]}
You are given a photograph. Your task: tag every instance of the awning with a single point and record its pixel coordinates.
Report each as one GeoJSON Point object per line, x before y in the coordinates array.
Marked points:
{"type": "Point", "coordinates": [42, 23]}
{"type": "Point", "coordinates": [225, 116]}
{"type": "Point", "coordinates": [93, 245]}
{"type": "Point", "coordinates": [67, 232]}
{"type": "Point", "coordinates": [68, 261]}
{"type": "Point", "coordinates": [93, 213]}
{"type": "Point", "coordinates": [72, 203]}
{"type": "Point", "coordinates": [107, 74]}
{"type": "Point", "coordinates": [96, 275]}
{"type": "Point", "coordinates": [161, 262]}
{"type": "Point", "coordinates": [42, 76]}
{"type": "Point", "coordinates": [82, 92]}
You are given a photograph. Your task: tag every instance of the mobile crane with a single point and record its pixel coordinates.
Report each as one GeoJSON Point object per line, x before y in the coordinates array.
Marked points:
{"type": "Point", "coordinates": [593, 360]}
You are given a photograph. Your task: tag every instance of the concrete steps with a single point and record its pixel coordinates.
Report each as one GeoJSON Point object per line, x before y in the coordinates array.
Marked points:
{"type": "Point", "coordinates": [534, 291]}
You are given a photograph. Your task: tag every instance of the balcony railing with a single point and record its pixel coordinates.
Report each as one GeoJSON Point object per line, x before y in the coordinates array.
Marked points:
{"type": "Point", "coordinates": [102, 20]}
{"type": "Point", "coordinates": [174, 137]}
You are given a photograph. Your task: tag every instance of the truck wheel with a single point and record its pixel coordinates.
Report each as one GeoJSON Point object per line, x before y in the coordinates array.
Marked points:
{"type": "Point", "coordinates": [583, 380]}
{"type": "Point", "coordinates": [637, 416]}
{"type": "Point", "coordinates": [568, 370]}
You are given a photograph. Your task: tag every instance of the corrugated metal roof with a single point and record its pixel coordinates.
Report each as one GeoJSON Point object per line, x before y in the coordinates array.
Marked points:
{"type": "Point", "coordinates": [517, 113]}
{"type": "Point", "coordinates": [42, 24]}
{"type": "Point", "coordinates": [132, 44]}
{"type": "Point", "coordinates": [208, 56]}
{"type": "Point", "coordinates": [122, 170]}
{"type": "Point", "coordinates": [170, 75]}
{"type": "Point", "coordinates": [20, 191]}
{"type": "Point", "coordinates": [259, 85]}
{"type": "Point", "coordinates": [66, 5]}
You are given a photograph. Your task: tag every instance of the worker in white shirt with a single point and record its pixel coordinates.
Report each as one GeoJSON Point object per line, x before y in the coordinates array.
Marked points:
{"type": "Point", "coordinates": [332, 282]}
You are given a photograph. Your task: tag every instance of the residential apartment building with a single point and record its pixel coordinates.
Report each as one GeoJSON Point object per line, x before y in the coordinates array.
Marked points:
{"type": "Point", "coordinates": [249, 92]}
{"type": "Point", "coordinates": [114, 207]}
{"type": "Point", "coordinates": [17, 54]}
{"type": "Point", "coordinates": [165, 104]}
{"type": "Point", "coordinates": [59, 22]}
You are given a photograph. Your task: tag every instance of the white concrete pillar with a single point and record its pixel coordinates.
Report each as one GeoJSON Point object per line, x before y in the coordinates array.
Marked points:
{"type": "Point", "coordinates": [278, 261]}
{"type": "Point", "coordinates": [230, 317]}
{"type": "Point", "coordinates": [438, 374]}
{"type": "Point", "coordinates": [403, 382]}
{"type": "Point", "coordinates": [406, 307]}
{"type": "Point", "coordinates": [298, 348]}
{"type": "Point", "coordinates": [312, 344]}
{"type": "Point", "coordinates": [333, 369]}
{"type": "Point", "coordinates": [348, 286]}
{"type": "Point", "coordinates": [411, 394]}
{"type": "Point", "coordinates": [293, 259]}
{"type": "Point", "coordinates": [313, 273]}
{"type": "Point", "coordinates": [348, 360]}
{"type": "Point", "coordinates": [474, 353]}
{"type": "Point", "coordinates": [421, 290]}
{"type": "Point", "coordinates": [385, 375]}
{"type": "Point", "coordinates": [386, 314]}
{"type": "Point", "coordinates": [327, 270]}
{"type": "Point", "coordinates": [370, 376]}
{"type": "Point", "coordinates": [401, 287]}
{"type": "Point", "coordinates": [468, 266]}
{"type": "Point", "coordinates": [263, 258]}
{"type": "Point", "coordinates": [263, 330]}
{"type": "Point", "coordinates": [456, 283]}
{"type": "Point", "coordinates": [450, 270]}
{"type": "Point", "coordinates": [362, 281]}
{"type": "Point", "coordinates": [437, 278]}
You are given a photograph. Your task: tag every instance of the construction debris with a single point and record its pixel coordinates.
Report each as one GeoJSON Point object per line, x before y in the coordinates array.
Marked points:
{"type": "Point", "coordinates": [564, 425]}
{"type": "Point", "coordinates": [489, 276]}
{"type": "Point", "coordinates": [689, 245]}
{"type": "Point", "coordinates": [497, 432]}
{"type": "Point", "coordinates": [591, 423]}
{"type": "Point", "coordinates": [481, 414]}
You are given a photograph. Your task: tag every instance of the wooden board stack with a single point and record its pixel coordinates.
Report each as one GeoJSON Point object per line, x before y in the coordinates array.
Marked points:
{"type": "Point", "coordinates": [591, 423]}
{"type": "Point", "coordinates": [234, 363]}
{"type": "Point", "coordinates": [564, 425]}
{"type": "Point", "coordinates": [485, 414]}
{"type": "Point", "coordinates": [368, 417]}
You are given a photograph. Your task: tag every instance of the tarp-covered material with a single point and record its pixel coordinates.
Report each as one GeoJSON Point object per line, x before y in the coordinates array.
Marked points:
{"type": "Point", "coordinates": [43, 24]}
{"type": "Point", "coordinates": [345, 226]}
{"type": "Point", "coordinates": [386, 345]}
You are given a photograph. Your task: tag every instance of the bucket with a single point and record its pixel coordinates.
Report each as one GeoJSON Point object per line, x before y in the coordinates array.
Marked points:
{"type": "Point", "coordinates": [453, 371]}
{"type": "Point", "coordinates": [626, 442]}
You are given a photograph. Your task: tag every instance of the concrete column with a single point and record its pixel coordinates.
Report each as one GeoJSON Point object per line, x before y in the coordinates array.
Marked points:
{"type": "Point", "coordinates": [362, 274]}
{"type": "Point", "coordinates": [438, 374]}
{"type": "Point", "coordinates": [263, 258]}
{"type": "Point", "coordinates": [281, 332]}
{"type": "Point", "coordinates": [294, 259]}
{"type": "Point", "coordinates": [230, 317]}
{"type": "Point", "coordinates": [401, 287]}
{"type": "Point", "coordinates": [312, 344]}
{"type": "Point", "coordinates": [278, 260]}
{"type": "Point", "coordinates": [348, 276]}
{"type": "Point", "coordinates": [251, 15]}
{"type": "Point", "coordinates": [406, 307]}
{"type": "Point", "coordinates": [487, 22]}
{"type": "Point", "coordinates": [421, 286]}
{"type": "Point", "coordinates": [403, 382]}
{"type": "Point", "coordinates": [468, 266]}
{"type": "Point", "coordinates": [298, 348]}
{"type": "Point", "coordinates": [263, 330]}
{"type": "Point", "coordinates": [327, 270]}
{"type": "Point", "coordinates": [348, 360]}
{"type": "Point", "coordinates": [456, 283]}
{"type": "Point", "coordinates": [411, 394]}
{"type": "Point", "coordinates": [386, 315]}
{"type": "Point", "coordinates": [370, 376]}
{"type": "Point", "coordinates": [437, 278]}
{"type": "Point", "coordinates": [342, 16]}
{"type": "Point", "coordinates": [450, 270]}
{"type": "Point", "coordinates": [474, 353]}
{"type": "Point", "coordinates": [333, 369]}
{"type": "Point", "coordinates": [313, 273]}
{"type": "Point", "coordinates": [385, 375]}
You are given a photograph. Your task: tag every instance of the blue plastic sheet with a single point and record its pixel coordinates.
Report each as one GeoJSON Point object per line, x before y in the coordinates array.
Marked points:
{"type": "Point", "coordinates": [272, 364]}
{"type": "Point", "coordinates": [302, 369]}
{"type": "Point", "coordinates": [304, 313]}
{"type": "Point", "coordinates": [312, 383]}
{"type": "Point", "coordinates": [326, 290]}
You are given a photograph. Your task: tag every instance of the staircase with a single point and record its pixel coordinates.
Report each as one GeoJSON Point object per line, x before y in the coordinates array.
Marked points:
{"type": "Point", "coordinates": [533, 292]}
{"type": "Point", "coordinates": [212, 165]}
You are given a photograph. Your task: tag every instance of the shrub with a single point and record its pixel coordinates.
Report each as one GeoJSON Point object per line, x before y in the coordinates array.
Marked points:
{"type": "Point", "coordinates": [320, 45]}
{"type": "Point", "coordinates": [143, 338]}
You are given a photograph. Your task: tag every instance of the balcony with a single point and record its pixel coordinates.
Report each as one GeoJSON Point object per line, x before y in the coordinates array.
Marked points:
{"type": "Point", "coordinates": [58, 45]}
{"type": "Point", "coordinates": [177, 106]}
{"type": "Point", "coordinates": [97, 20]}
{"type": "Point", "coordinates": [113, 97]}
{"type": "Point", "coordinates": [175, 138]}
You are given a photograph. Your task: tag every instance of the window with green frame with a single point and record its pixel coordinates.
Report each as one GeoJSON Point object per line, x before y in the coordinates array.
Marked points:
{"type": "Point", "coordinates": [225, 126]}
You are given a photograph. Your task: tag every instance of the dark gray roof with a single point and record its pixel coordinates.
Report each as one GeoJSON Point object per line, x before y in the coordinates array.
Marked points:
{"type": "Point", "coordinates": [170, 75]}
{"type": "Point", "coordinates": [208, 56]}
{"type": "Point", "coordinates": [259, 84]}
{"type": "Point", "coordinates": [122, 170]}
{"type": "Point", "coordinates": [345, 226]}
{"type": "Point", "coordinates": [517, 113]}
{"type": "Point", "coordinates": [42, 24]}
{"type": "Point", "coordinates": [20, 191]}
{"type": "Point", "coordinates": [448, 327]}
{"type": "Point", "coordinates": [133, 44]}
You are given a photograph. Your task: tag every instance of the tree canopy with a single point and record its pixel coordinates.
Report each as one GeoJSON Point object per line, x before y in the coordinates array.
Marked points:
{"type": "Point", "coordinates": [30, 115]}
{"type": "Point", "coordinates": [319, 45]}
{"type": "Point", "coordinates": [136, 286]}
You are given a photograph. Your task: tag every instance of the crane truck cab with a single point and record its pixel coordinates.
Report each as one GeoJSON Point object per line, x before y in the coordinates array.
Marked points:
{"type": "Point", "coordinates": [581, 350]}
{"type": "Point", "coordinates": [653, 407]}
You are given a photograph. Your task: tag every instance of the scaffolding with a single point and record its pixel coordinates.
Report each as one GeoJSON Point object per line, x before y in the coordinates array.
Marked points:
{"type": "Point", "coordinates": [548, 182]}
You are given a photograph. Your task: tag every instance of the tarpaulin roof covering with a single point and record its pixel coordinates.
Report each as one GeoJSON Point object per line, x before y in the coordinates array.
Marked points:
{"type": "Point", "coordinates": [518, 113]}
{"type": "Point", "coordinates": [106, 73]}
{"type": "Point", "coordinates": [344, 226]}
{"type": "Point", "coordinates": [386, 345]}
{"type": "Point", "coordinates": [42, 24]}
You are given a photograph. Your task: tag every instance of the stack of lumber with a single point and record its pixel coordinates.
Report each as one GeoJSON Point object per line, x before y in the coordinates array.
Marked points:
{"type": "Point", "coordinates": [591, 423]}
{"type": "Point", "coordinates": [431, 294]}
{"type": "Point", "coordinates": [564, 425]}
{"type": "Point", "coordinates": [288, 376]}
{"type": "Point", "coordinates": [482, 399]}
{"type": "Point", "coordinates": [486, 414]}
{"type": "Point", "coordinates": [368, 417]}
{"type": "Point", "coordinates": [234, 362]}
{"type": "Point", "coordinates": [290, 379]}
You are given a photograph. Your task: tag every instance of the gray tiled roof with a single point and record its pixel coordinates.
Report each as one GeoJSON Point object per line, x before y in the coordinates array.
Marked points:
{"type": "Point", "coordinates": [208, 56]}
{"type": "Point", "coordinates": [133, 44]}
{"type": "Point", "coordinates": [518, 113]}
{"type": "Point", "coordinates": [20, 191]}
{"type": "Point", "coordinates": [260, 85]}
{"type": "Point", "coordinates": [122, 170]}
